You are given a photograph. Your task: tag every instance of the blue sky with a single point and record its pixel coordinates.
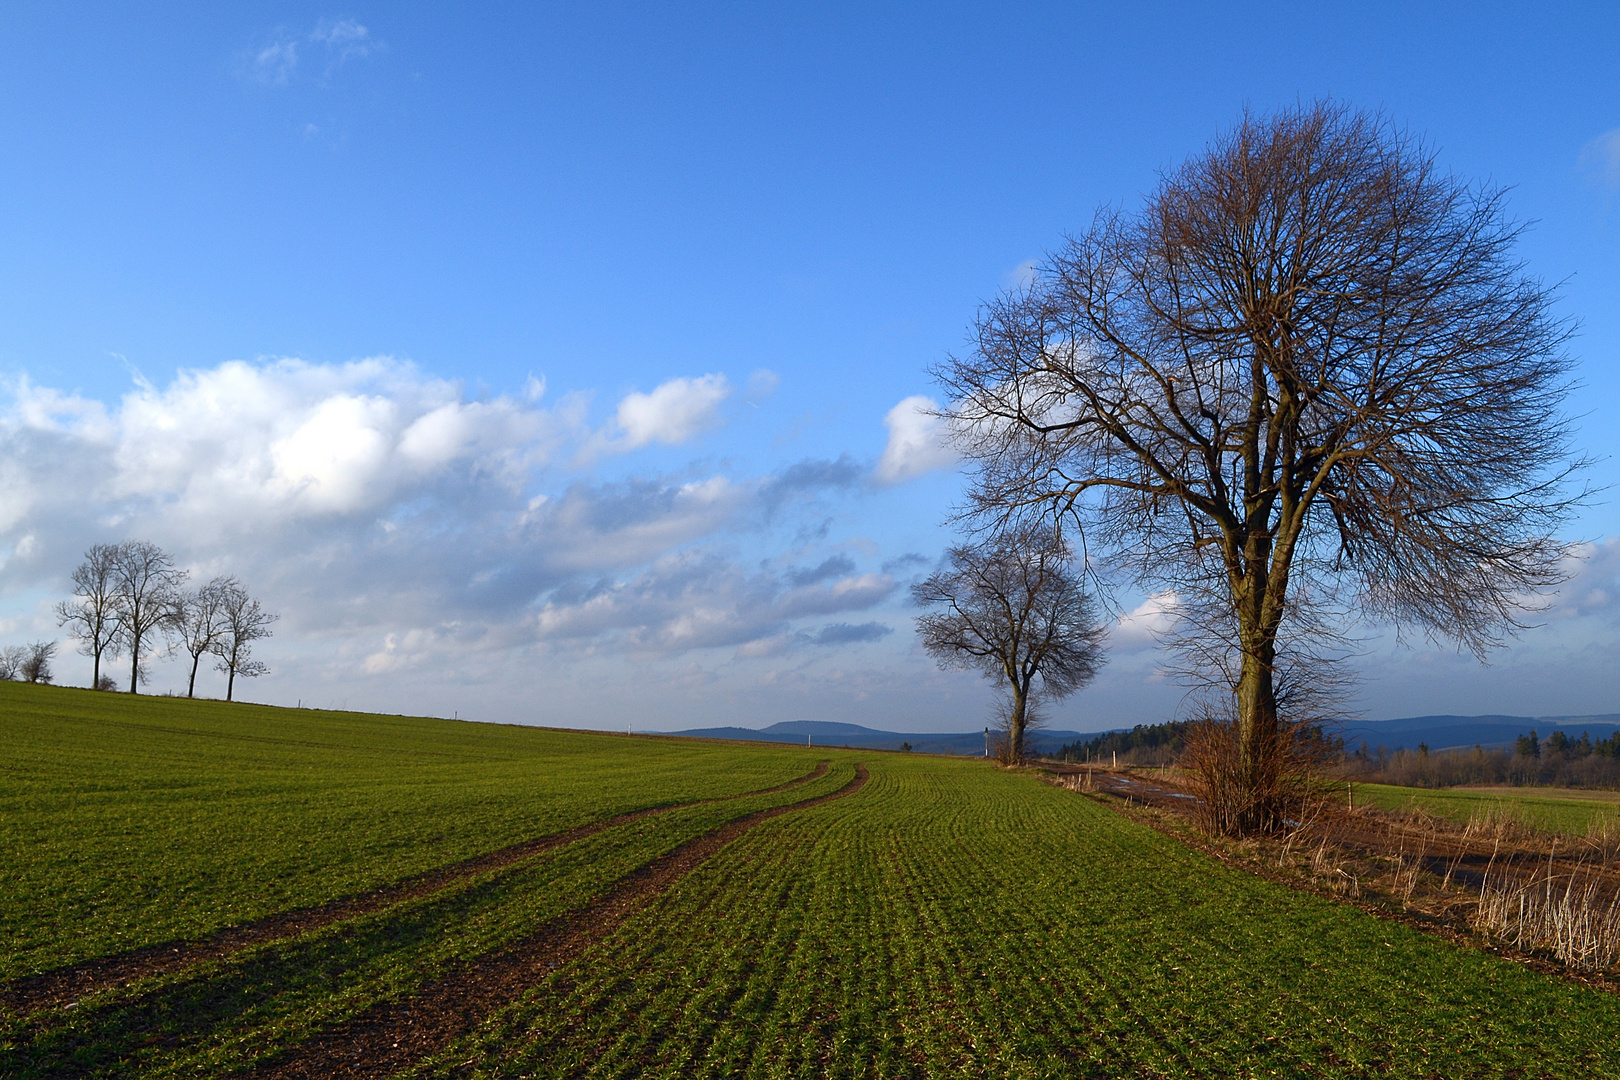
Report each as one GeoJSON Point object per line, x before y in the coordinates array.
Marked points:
{"type": "Point", "coordinates": [535, 362]}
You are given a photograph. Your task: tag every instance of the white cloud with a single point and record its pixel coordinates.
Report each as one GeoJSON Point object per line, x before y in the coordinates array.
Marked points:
{"type": "Point", "coordinates": [399, 528]}
{"type": "Point", "coordinates": [345, 38]}
{"type": "Point", "coordinates": [276, 63]}
{"type": "Point", "coordinates": [674, 412]}
{"type": "Point", "coordinates": [917, 442]}
{"type": "Point", "coordinates": [1148, 621]}
{"type": "Point", "coordinates": [1601, 158]}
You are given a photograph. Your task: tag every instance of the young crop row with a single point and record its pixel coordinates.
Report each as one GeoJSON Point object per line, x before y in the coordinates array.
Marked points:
{"type": "Point", "coordinates": [953, 920]}
{"type": "Point", "coordinates": [131, 821]}
{"type": "Point", "coordinates": [266, 1001]}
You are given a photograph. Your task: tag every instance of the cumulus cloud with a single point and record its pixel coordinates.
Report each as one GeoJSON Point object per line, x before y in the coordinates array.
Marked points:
{"type": "Point", "coordinates": [916, 441]}
{"type": "Point", "coordinates": [405, 532]}
{"type": "Point", "coordinates": [1143, 625]}
{"type": "Point", "coordinates": [674, 412]}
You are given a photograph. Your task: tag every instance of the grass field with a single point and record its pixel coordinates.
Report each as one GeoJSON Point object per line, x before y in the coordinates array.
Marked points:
{"type": "Point", "coordinates": [1549, 810]}
{"type": "Point", "coordinates": [946, 919]}
{"type": "Point", "coordinates": [126, 821]}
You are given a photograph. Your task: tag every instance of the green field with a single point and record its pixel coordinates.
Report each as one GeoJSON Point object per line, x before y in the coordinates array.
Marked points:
{"type": "Point", "coordinates": [946, 919]}
{"type": "Point", "coordinates": [1548, 810]}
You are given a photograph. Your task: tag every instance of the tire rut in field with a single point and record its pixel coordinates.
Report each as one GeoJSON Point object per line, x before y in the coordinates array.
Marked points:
{"type": "Point", "coordinates": [63, 985]}
{"type": "Point", "coordinates": [394, 1035]}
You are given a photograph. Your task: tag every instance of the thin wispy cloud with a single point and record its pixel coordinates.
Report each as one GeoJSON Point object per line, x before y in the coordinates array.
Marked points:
{"type": "Point", "coordinates": [330, 45]}
{"type": "Point", "coordinates": [1600, 158]}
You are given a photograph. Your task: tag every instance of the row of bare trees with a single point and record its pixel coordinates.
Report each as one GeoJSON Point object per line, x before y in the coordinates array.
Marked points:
{"type": "Point", "coordinates": [129, 599]}
{"type": "Point", "coordinates": [1308, 381]}
{"type": "Point", "coordinates": [29, 663]}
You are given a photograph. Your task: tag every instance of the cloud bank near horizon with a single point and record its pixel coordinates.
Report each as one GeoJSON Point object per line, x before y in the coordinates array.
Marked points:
{"type": "Point", "coordinates": [507, 556]}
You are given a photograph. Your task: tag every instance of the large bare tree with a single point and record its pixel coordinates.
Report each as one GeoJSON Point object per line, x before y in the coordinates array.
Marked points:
{"type": "Point", "coordinates": [242, 621]}
{"type": "Point", "coordinates": [1310, 364]}
{"type": "Point", "coordinates": [1013, 607]}
{"type": "Point", "coordinates": [147, 585]}
{"type": "Point", "coordinates": [92, 614]}
{"type": "Point", "coordinates": [200, 620]}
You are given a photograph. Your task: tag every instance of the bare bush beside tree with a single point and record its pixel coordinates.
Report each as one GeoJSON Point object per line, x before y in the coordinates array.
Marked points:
{"type": "Point", "coordinates": [1013, 607]}
{"type": "Point", "coordinates": [1310, 368]}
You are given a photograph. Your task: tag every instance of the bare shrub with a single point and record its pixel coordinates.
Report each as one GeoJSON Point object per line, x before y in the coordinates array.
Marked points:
{"type": "Point", "coordinates": [12, 658]}
{"type": "Point", "coordinates": [1222, 776]}
{"type": "Point", "coordinates": [107, 684]}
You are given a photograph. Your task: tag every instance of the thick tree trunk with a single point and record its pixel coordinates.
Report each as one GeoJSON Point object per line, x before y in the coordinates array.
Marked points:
{"type": "Point", "coordinates": [135, 666]}
{"type": "Point", "coordinates": [1015, 725]}
{"type": "Point", "coordinates": [192, 685]}
{"type": "Point", "coordinates": [1257, 735]}
{"type": "Point", "coordinates": [95, 670]}
{"type": "Point", "coordinates": [230, 684]}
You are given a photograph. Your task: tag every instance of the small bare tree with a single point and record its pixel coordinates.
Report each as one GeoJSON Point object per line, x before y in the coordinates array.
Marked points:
{"type": "Point", "coordinates": [92, 615]}
{"type": "Point", "coordinates": [1310, 360]}
{"type": "Point", "coordinates": [243, 622]}
{"type": "Point", "coordinates": [200, 621]}
{"type": "Point", "coordinates": [12, 659]}
{"type": "Point", "coordinates": [36, 667]}
{"type": "Point", "coordinates": [147, 586]}
{"type": "Point", "coordinates": [1013, 607]}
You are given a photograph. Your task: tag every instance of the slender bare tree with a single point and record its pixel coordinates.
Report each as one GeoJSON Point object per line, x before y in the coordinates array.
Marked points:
{"type": "Point", "coordinates": [1310, 359]}
{"type": "Point", "coordinates": [92, 615]}
{"type": "Point", "coordinates": [242, 623]}
{"type": "Point", "coordinates": [147, 586]}
{"type": "Point", "coordinates": [1013, 607]}
{"type": "Point", "coordinates": [12, 659]}
{"type": "Point", "coordinates": [201, 621]}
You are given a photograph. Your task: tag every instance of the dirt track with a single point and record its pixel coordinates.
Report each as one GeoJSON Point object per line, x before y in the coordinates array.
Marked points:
{"type": "Point", "coordinates": [64, 985]}
{"type": "Point", "coordinates": [393, 1035]}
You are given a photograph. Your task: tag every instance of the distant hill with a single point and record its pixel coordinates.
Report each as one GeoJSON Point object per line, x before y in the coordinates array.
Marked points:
{"type": "Point", "coordinates": [1438, 732]}
{"type": "Point", "coordinates": [828, 733]}
{"type": "Point", "coordinates": [1445, 732]}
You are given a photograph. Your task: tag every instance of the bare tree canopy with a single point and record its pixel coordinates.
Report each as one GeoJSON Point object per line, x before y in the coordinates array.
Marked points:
{"type": "Point", "coordinates": [146, 585]}
{"type": "Point", "coordinates": [1014, 608]}
{"type": "Point", "coordinates": [242, 622]}
{"type": "Point", "coordinates": [200, 620]}
{"type": "Point", "coordinates": [92, 614]}
{"type": "Point", "coordinates": [36, 667]}
{"type": "Point", "coordinates": [1311, 361]}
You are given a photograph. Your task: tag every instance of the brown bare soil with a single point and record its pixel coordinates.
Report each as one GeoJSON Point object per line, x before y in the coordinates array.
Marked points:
{"type": "Point", "coordinates": [1409, 868]}
{"type": "Point", "coordinates": [393, 1035]}
{"type": "Point", "coordinates": [59, 987]}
